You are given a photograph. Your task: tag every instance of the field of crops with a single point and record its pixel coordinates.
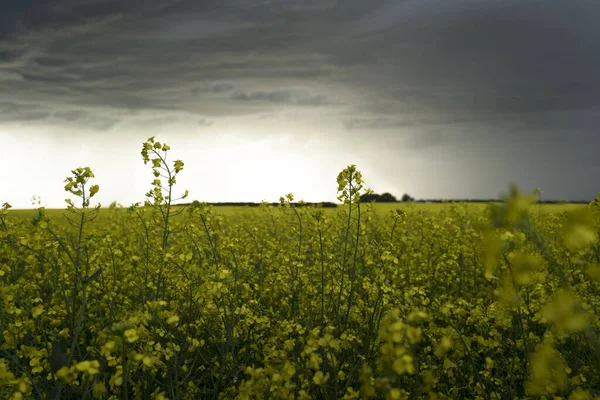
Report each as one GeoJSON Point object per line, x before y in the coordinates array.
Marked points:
{"type": "Point", "coordinates": [293, 302]}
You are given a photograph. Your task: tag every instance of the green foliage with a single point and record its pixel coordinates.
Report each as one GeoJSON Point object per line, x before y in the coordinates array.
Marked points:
{"type": "Point", "coordinates": [291, 301]}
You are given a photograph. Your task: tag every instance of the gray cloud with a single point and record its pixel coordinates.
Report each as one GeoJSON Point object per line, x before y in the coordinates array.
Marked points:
{"type": "Point", "coordinates": [18, 112]}
{"type": "Point", "coordinates": [282, 97]}
{"type": "Point", "coordinates": [221, 88]}
{"type": "Point", "coordinates": [86, 118]}
{"type": "Point", "coordinates": [376, 123]}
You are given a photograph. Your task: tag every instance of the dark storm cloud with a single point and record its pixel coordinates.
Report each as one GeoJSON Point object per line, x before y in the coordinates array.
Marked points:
{"type": "Point", "coordinates": [25, 16]}
{"type": "Point", "coordinates": [466, 57]}
{"type": "Point", "coordinates": [7, 56]}
{"type": "Point", "coordinates": [484, 57]}
{"type": "Point", "coordinates": [415, 74]}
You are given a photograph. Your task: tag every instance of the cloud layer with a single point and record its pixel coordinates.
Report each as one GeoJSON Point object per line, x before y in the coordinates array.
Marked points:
{"type": "Point", "coordinates": [502, 82]}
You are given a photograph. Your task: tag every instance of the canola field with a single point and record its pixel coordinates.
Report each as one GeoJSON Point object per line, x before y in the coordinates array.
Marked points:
{"type": "Point", "coordinates": [157, 301]}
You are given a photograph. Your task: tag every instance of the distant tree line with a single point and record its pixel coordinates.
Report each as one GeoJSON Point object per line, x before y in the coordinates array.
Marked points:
{"type": "Point", "coordinates": [378, 198]}
{"type": "Point", "coordinates": [324, 204]}
{"type": "Point", "coordinates": [497, 200]}
{"type": "Point", "coordinates": [384, 198]}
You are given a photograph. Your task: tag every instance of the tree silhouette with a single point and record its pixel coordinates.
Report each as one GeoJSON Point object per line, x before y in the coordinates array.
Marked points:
{"type": "Point", "coordinates": [379, 198]}
{"type": "Point", "coordinates": [406, 197]}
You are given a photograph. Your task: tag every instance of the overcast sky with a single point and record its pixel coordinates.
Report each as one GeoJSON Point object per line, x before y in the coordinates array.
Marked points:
{"type": "Point", "coordinates": [435, 98]}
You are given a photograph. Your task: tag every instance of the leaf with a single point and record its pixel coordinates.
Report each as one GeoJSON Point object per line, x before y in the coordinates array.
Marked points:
{"type": "Point", "coordinates": [53, 393]}
{"type": "Point", "coordinates": [94, 189]}
{"type": "Point", "coordinates": [58, 358]}
{"type": "Point", "coordinates": [95, 275]}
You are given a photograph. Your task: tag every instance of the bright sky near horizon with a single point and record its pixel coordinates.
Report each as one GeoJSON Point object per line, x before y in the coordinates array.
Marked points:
{"type": "Point", "coordinates": [438, 99]}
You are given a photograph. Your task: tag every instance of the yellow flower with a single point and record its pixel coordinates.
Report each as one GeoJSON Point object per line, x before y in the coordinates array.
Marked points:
{"type": "Point", "coordinates": [88, 367]}
{"type": "Point", "coordinates": [579, 231]}
{"type": "Point", "coordinates": [547, 372]}
{"type": "Point", "coordinates": [491, 252]}
{"type": "Point", "coordinates": [320, 378]}
{"type": "Point", "coordinates": [131, 335]}
{"type": "Point", "coordinates": [580, 394]}
{"type": "Point", "coordinates": [24, 385]}
{"type": "Point", "coordinates": [289, 369]}
{"type": "Point", "coordinates": [579, 236]}
{"type": "Point", "coordinates": [224, 273]}
{"type": "Point", "coordinates": [593, 271]}
{"type": "Point", "coordinates": [396, 394]}
{"type": "Point", "coordinates": [147, 361]}
{"type": "Point", "coordinates": [314, 361]}
{"type": "Point", "coordinates": [99, 389]}
{"type": "Point", "coordinates": [564, 310]}
{"type": "Point", "coordinates": [404, 364]}
{"type": "Point", "coordinates": [443, 346]}
{"type": "Point", "coordinates": [417, 315]}
{"type": "Point", "coordinates": [507, 293]}
{"type": "Point", "coordinates": [414, 334]}
{"type": "Point", "coordinates": [525, 266]}
{"type": "Point", "coordinates": [65, 375]}
{"type": "Point", "coordinates": [37, 311]}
